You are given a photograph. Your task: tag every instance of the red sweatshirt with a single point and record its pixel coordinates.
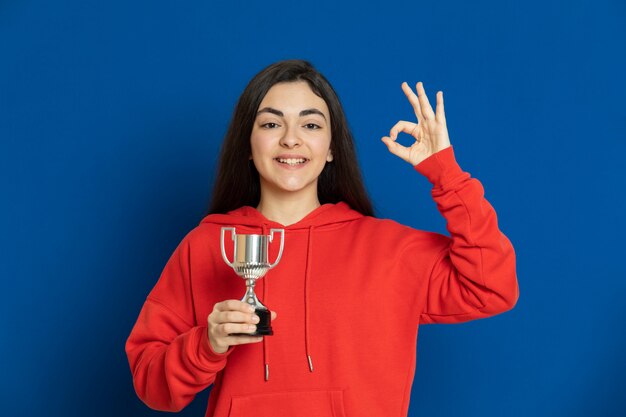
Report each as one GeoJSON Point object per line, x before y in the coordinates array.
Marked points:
{"type": "Point", "coordinates": [350, 292]}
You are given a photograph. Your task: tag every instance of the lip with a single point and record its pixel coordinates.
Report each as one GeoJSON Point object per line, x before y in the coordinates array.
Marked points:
{"type": "Point", "coordinates": [291, 156]}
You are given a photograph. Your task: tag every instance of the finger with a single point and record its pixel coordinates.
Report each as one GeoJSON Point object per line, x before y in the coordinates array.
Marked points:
{"type": "Point", "coordinates": [274, 315]}
{"type": "Point", "coordinates": [395, 148]}
{"type": "Point", "coordinates": [413, 99]}
{"type": "Point", "coordinates": [232, 316]}
{"type": "Point", "coordinates": [427, 110]}
{"type": "Point", "coordinates": [236, 305]}
{"type": "Point", "coordinates": [226, 329]}
{"type": "Point", "coordinates": [440, 114]}
{"type": "Point", "coordinates": [406, 127]}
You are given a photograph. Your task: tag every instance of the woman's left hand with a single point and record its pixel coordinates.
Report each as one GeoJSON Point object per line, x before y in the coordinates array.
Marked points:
{"type": "Point", "coordinates": [430, 131]}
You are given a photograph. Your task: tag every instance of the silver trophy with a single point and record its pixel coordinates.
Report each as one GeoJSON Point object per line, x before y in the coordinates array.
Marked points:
{"type": "Point", "coordinates": [250, 262]}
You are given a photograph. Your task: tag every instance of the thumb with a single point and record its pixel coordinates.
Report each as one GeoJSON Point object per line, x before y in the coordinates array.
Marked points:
{"type": "Point", "coordinates": [274, 315]}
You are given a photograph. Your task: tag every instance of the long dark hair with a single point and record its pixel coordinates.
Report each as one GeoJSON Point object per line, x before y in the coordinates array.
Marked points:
{"type": "Point", "coordinates": [237, 183]}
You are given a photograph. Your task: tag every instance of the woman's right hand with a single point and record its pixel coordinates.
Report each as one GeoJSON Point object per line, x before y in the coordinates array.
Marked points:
{"type": "Point", "coordinates": [232, 316]}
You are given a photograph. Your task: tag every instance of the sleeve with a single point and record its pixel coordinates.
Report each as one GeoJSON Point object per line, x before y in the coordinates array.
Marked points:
{"type": "Point", "coordinates": [473, 276]}
{"type": "Point", "coordinates": [170, 357]}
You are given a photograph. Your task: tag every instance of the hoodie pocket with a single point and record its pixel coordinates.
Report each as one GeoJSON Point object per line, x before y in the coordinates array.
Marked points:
{"type": "Point", "coordinates": [289, 403]}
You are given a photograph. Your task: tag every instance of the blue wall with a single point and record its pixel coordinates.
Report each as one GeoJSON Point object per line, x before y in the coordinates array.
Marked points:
{"type": "Point", "coordinates": [112, 112]}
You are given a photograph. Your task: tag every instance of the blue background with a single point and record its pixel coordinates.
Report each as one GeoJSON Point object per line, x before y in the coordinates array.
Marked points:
{"type": "Point", "coordinates": [112, 113]}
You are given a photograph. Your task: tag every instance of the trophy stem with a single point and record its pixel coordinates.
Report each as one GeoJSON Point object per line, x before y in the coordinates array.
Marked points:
{"type": "Point", "coordinates": [264, 326]}
{"type": "Point", "coordinates": [250, 297]}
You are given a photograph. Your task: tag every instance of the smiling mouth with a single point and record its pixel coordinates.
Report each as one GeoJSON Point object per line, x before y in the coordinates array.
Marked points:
{"type": "Point", "coordinates": [291, 161]}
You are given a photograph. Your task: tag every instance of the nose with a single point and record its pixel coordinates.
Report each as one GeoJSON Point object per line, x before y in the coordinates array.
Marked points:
{"type": "Point", "coordinates": [290, 139]}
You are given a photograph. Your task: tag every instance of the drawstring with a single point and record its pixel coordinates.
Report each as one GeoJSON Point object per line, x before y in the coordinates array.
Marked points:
{"type": "Point", "coordinates": [266, 353]}
{"type": "Point", "coordinates": [307, 272]}
{"type": "Point", "coordinates": [309, 256]}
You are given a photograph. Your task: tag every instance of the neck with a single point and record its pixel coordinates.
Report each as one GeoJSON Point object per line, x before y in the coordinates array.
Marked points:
{"type": "Point", "coordinates": [287, 208]}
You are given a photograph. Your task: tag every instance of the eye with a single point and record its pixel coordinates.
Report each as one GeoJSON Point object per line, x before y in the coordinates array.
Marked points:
{"type": "Point", "coordinates": [312, 126]}
{"type": "Point", "coordinates": [270, 125]}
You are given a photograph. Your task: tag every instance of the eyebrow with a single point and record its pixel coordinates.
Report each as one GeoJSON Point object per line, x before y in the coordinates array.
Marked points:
{"type": "Point", "coordinates": [281, 114]}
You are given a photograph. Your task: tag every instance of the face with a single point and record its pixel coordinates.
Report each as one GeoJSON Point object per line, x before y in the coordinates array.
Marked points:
{"type": "Point", "coordinates": [290, 139]}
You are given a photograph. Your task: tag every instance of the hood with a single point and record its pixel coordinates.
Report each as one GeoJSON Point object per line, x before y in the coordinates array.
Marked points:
{"type": "Point", "coordinates": [324, 215]}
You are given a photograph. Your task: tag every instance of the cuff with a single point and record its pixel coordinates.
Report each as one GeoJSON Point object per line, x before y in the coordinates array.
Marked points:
{"type": "Point", "coordinates": [206, 352]}
{"type": "Point", "coordinates": [440, 168]}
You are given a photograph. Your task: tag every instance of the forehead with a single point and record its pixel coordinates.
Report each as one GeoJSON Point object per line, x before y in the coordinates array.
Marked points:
{"type": "Point", "coordinates": [294, 96]}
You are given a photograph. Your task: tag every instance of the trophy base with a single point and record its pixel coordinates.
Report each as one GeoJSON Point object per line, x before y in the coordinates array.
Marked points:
{"type": "Point", "coordinates": [263, 328]}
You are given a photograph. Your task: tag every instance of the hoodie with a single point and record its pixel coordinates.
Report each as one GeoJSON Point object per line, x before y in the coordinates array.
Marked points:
{"type": "Point", "coordinates": [350, 292]}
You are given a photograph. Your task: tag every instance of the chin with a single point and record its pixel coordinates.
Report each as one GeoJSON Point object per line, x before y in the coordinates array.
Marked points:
{"type": "Point", "coordinates": [295, 187]}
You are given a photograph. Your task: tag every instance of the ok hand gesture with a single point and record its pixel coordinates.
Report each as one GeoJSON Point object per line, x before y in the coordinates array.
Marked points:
{"type": "Point", "coordinates": [430, 131]}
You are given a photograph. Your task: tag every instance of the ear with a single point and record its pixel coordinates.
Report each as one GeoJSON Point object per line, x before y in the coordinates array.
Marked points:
{"type": "Point", "coordinates": [329, 157]}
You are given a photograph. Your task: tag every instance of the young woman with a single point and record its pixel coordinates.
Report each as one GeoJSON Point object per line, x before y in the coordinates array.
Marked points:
{"type": "Point", "coordinates": [350, 290]}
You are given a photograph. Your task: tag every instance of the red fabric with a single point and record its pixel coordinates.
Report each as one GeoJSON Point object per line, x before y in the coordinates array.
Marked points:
{"type": "Point", "coordinates": [350, 292]}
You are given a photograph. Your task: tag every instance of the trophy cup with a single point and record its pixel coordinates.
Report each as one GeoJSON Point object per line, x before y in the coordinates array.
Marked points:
{"type": "Point", "coordinates": [250, 262]}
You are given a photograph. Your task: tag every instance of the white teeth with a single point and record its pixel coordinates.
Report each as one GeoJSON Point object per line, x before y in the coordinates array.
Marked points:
{"type": "Point", "coordinates": [291, 161]}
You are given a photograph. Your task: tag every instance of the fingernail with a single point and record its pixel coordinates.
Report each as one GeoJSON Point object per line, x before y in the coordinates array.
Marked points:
{"type": "Point", "coordinates": [251, 327]}
{"type": "Point", "coordinates": [250, 309]}
{"type": "Point", "coordinates": [255, 318]}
